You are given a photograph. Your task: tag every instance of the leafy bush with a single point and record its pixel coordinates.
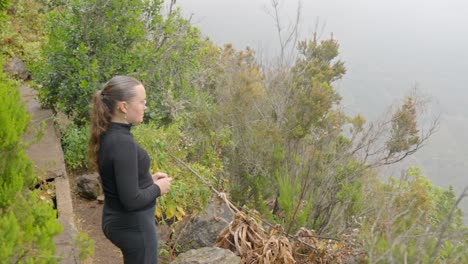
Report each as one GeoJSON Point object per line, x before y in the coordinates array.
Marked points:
{"type": "Point", "coordinates": [4, 4]}
{"type": "Point", "coordinates": [75, 146]}
{"type": "Point", "coordinates": [85, 49]}
{"type": "Point", "coordinates": [85, 245]}
{"type": "Point", "coordinates": [188, 193]}
{"type": "Point", "coordinates": [16, 169]}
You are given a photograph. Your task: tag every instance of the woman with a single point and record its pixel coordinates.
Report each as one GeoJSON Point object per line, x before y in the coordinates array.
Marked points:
{"type": "Point", "coordinates": [130, 190]}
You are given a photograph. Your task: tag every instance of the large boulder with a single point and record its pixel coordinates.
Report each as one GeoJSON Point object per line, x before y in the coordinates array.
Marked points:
{"type": "Point", "coordinates": [207, 255]}
{"type": "Point", "coordinates": [88, 186]}
{"type": "Point", "coordinates": [202, 230]}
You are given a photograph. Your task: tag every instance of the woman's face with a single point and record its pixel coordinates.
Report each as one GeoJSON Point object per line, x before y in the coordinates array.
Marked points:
{"type": "Point", "coordinates": [136, 106]}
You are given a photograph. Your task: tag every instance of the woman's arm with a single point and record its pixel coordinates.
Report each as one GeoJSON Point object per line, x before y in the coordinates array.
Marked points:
{"type": "Point", "coordinates": [131, 196]}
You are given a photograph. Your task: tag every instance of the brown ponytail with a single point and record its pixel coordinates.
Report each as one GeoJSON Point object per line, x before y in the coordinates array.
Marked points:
{"type": "Point", "coordinates": [119, 88]}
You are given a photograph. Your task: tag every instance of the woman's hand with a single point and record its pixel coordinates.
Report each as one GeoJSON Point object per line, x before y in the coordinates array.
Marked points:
{"type": "Point", "coordinates": [159, 175]}
{"type": "Point", "coordinates": [163, 181]}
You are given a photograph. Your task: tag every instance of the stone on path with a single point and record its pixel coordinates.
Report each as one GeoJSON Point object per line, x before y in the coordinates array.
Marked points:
{"type": "Point", "coordinates": [16, 68]}
{"type": "Point", "coordinates": [89, 186]}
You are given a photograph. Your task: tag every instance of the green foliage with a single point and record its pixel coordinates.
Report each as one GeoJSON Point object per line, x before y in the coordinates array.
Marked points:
{"type": "Point", "coordinates": [27, 230]}
{"type": "Point", "coordinates": [17, 172]}
{"type": "Point", "coordinates": [273, 138]}
{"type": "Point", "coordinates": [357, 123]}
{"type": "Point", "coordinates": [84, 50]}
{"type": "Point", "coordinates": [312, 95]}
{"type": "Point", "coordinates": [293, 113]}
{"type": "Point", "coordinates": [350, 194]}
{"type": "Point", "coordinates": [21, 30]}
{"type": "Point", "coordinates": [404, 128]}
{"type": "Point", "coordinates": [442, 202]}
{"type": "Point", "coordinates": [4, 4]}
{"type": "Point", "coordinates": [317, 59]}
{"type": "Point", "coordinates": [27, 224]}
{"type": "Point", "coordinates": [293, 202]}
{"type": "Point", "coordinates": [454, 251]}
{"type": "Point", "coordinates": [75, 145]}
{"type": "Point", "coordinates": [175, 53]}
{"type": "Point", "coordinates": [187, 193]}
{"type": "Point", "coordinates": [404, 222]}
{"type": "Point", "coordinates": [315, 153]}
{"type": "Point", "coordinates": [85, 245]}
{"type": "Point", "coordinates": [88, 42]}
{"type": "Point", "coordinates": [242, 134]}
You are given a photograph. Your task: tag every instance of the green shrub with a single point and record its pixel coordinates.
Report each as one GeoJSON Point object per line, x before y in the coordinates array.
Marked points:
{"type": "Point", "coordinates": [4, 4]}
{"type": "Point", "coordinates": [85, 245]}
{"type": "Point", "coordinates": [75, 146]}
{"type": "Point", "coordinates": [16, 169]}
{"type": "Point", "coordinates": [404, 219]}
{"type": "Point", "coordinates": [85, 49]}
{"type": "Point", "coordinates": [188, 193]}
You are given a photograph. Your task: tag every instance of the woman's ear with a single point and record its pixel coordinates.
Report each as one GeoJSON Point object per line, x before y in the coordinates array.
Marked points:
{"type": "Point", "coordinates": [122, 106]}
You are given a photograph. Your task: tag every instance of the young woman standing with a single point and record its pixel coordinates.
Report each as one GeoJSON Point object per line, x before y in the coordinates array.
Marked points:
{"type": "Point", "coordinates": [130, 190]}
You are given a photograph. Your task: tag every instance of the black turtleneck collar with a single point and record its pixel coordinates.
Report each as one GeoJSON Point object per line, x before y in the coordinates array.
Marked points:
{"type": "Point", "coordinates": [120, 126]}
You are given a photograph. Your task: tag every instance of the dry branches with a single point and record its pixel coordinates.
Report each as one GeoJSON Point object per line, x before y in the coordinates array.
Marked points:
{"type": "Point", "coordinates": [255, 246]}
{"type": "Point", "coordinates": [249, 240]}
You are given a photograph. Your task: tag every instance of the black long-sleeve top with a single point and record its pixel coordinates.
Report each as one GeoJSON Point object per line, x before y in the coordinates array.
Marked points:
{"type": "Point", "coordinates": [124, 170]}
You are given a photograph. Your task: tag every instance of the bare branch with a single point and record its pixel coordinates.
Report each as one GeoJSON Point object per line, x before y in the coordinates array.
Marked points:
{"type": "Point", "coordinates": [291, 39]}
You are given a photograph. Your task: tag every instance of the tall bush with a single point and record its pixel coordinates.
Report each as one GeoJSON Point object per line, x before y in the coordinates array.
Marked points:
{"type": "Point", "coordinates": [88, 43]}
{"type": "Point", "coordinates": [91, 41]}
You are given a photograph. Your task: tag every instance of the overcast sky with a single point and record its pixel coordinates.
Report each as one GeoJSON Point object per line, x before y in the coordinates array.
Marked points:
{"type": "Point", "coordinates": [393, 44]}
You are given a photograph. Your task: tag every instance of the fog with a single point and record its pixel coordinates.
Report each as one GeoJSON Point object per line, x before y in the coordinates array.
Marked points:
{"type": "Point", "coordinates": [388, 46]}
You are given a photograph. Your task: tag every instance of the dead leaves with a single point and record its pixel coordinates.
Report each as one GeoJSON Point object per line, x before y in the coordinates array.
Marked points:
{"type": "Point", "coordinates": [250, 241]}
{"type": "Point", "coordinates": [255, 246]}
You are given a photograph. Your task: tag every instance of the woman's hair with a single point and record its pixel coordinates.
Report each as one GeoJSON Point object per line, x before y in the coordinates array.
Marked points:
{"type": "Point", "coordinates": [104, 102]}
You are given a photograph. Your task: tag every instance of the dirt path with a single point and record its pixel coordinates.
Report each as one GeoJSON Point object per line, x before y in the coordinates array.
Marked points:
{"type": "Point", "coordinates": [88, 218]}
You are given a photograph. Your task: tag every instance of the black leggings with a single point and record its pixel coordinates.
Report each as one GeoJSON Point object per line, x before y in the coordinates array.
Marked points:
{"type": "Point", "coordinates": [134, 233]}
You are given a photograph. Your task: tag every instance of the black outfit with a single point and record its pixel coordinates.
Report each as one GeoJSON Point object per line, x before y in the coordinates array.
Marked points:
{"type": "Point", "coordinates": [130, 195]}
